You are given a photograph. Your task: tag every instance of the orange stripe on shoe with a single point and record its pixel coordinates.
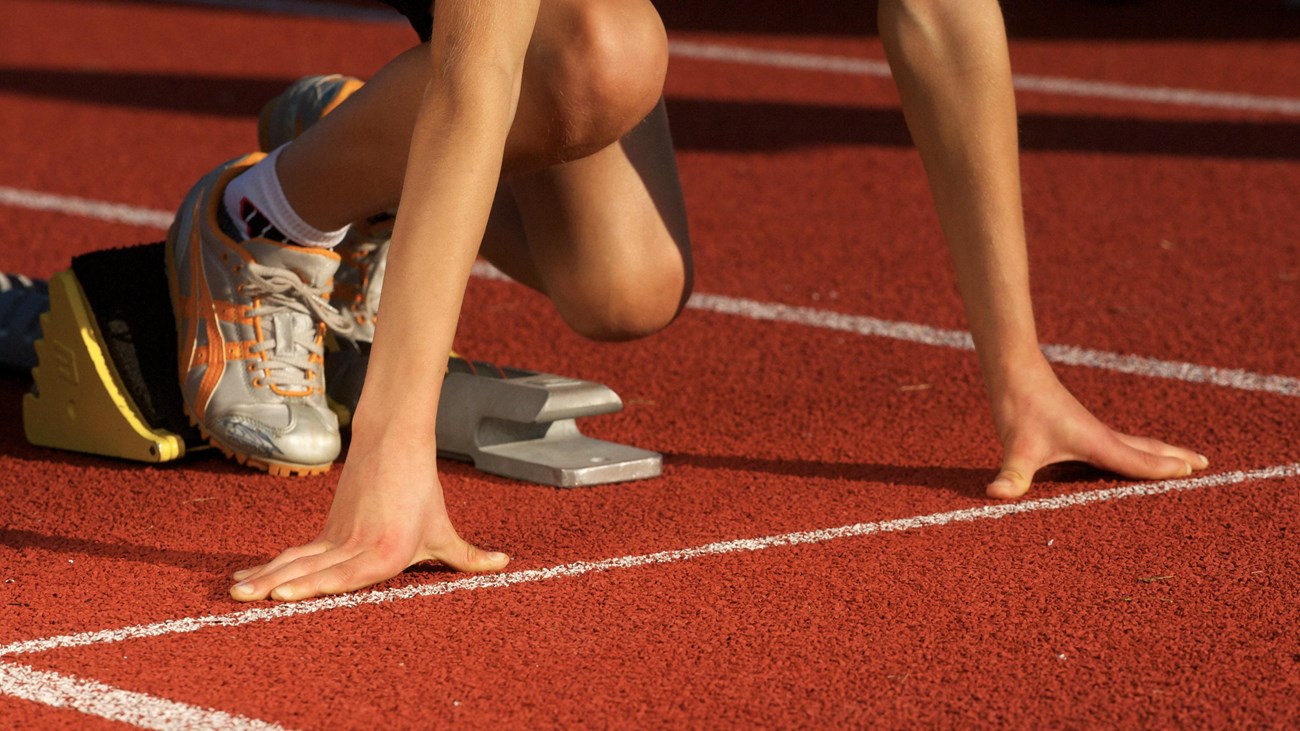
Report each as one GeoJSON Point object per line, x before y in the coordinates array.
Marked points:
{"type": "Point", "coordinates": [215, 360]}
{"type": "Point", "coordinates": [225, 311]}
{"type": "Point", "coordinates": [349, 87]}
{"type": "Point", "coordinates": [231, 312]}
{"type": "Point", "coordinates": [240, 351]}
{"type": "Point", "coordinates": [234, 351]}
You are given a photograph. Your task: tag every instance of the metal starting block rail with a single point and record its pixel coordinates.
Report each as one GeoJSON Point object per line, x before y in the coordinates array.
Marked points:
{"type": "Point", "coordinates": [105, 384]}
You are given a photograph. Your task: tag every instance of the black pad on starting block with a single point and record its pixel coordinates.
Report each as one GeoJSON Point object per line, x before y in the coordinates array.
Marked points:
{"type": "Point", "coordinates": [127, 292]}
{"type": "Point", "coordinates": [106, 383]}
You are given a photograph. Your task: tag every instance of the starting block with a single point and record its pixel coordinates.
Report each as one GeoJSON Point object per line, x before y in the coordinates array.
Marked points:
{"type": "Point", "coordinates": [525, 427]}
{"type": "Point", "coordinates": [513, 422]}
{"type": "Point", "coordinates": [105, 383]}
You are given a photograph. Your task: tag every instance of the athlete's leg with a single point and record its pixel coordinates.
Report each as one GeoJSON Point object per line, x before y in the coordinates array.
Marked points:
{"type": "Point", "coordinates": [605, 237]}
{"type": "Point", "coordinates": [590, 212]}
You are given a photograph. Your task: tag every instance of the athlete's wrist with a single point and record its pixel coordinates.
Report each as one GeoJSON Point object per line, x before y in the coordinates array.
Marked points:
{"type": "Point", "coordinates": [404, 423]}
{"type": "Point", "coordinates": [1013, 377]}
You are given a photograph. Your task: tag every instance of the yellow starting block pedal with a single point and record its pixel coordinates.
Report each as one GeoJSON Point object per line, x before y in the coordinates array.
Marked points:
{"type": "Point", "coordinates": [100, 386]}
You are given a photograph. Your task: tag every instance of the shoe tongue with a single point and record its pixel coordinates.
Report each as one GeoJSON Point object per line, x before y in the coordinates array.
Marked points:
{"type": "Point", "coordinates": [315, 265]}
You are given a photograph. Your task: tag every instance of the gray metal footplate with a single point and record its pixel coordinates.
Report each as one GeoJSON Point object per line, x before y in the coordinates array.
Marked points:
{"type": "Point", "coordinates": [522, 424]}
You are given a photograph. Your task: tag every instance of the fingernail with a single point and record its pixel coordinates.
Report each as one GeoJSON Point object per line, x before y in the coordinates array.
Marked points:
{"type": "Point", "coordinates": [241, 575]}
{"type": "Point", "coordinates": [1189, 469]}
{"type": "Point", "coordinates": [282, 593]}
{"type": "Point", "coordinates": [1205, 461]}
{"type": "Point", "coordinates": [244, 589]}
{"type": "Point", "coordinates": [497, 557]}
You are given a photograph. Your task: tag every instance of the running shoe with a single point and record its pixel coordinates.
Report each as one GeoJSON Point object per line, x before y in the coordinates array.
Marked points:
{"type": "Point", "coordinates": [300, 106]}
{"type": "Point", "coordinates": [251, 319]}
{"type": "Point", "coordinates": [364, 250]}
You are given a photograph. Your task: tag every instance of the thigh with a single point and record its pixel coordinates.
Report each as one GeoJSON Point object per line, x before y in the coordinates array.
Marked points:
{"type": "Point", "coordinates": [593, 70]}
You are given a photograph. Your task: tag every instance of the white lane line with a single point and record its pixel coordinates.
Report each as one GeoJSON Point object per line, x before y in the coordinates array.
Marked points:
{"type": "Point", "coordinates": [1174, 370]}
{"type": "Point", "coordinates": [1236, 378]}
{"type": "Point", "coordinates": [489, 581]}
{"type": "Point", "coordinates": [780, 59]}
{"type": "Point", "coordinates": [829, 64]}
{"type": "Point", "coordinates": [114, 212]}
{"type": "Point", "coordinates": [1170, 95]}
{"type": "Point", "coordinates": [1040, 84]}
{"type": "Point", "coordinates": [115, 704]}
{"type": "Point", "coordinates": [1063, 354]}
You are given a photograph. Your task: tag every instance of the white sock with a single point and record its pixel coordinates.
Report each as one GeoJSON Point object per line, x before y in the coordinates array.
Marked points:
{"type": "Point", "coordinates": [257, 191]}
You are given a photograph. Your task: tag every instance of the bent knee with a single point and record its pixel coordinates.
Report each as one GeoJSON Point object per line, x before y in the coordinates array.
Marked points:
{"type": "Point", "coordinates": [627, 308]}
{"type": "Point", "coordinates": [605, 73]}
{"type": "Point", "coordinates": [618, 322]}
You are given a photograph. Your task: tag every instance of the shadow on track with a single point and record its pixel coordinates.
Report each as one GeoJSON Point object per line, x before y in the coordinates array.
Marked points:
{"type": "Point", "coordinates": [1041, 19]}
{"type": "Point", "coordinates": [761, 126]}
{"type": "Point", "coordinates": [13, 384]}
{"type": "Point", "coordinates": [198, 561]}
{"type": "Point", "coordinates": [714, 125]}
{"type": "Point", "coordinates": [226, 96]}
{"type": "Point", "coordinates": [963, 481]}
{"type": "Point", "coordinates": [1029, 19]}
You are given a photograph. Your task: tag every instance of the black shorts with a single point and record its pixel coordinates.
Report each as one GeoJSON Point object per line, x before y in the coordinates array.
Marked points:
{"type": "Point", "coordinates": [419, 12]}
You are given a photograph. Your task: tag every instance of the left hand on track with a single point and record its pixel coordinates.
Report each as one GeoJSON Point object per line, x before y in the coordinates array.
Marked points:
{"type": "Point", "coordinates": [1040, 423]}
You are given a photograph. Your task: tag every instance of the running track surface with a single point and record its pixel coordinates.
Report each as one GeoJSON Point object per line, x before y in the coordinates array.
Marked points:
{"type": "Point", "coordinates": [796, 397]}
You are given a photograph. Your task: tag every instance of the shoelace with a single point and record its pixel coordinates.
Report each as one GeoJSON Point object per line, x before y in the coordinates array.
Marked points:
{"type": "Point", "coordinates": [369, 237]}
{"type": "Point", "coordinates": [282, 291]}
{"type": "Point", "coordinates": [362, 261]}
{"type": "Point", "coordinates": [363, 253]}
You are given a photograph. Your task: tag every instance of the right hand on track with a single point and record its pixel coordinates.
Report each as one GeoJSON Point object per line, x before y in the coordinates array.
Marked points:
{"type": "Point", "coordinates": [388, 514]}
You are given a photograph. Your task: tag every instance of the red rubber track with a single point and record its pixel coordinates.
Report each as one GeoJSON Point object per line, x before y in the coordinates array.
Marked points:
{"type": "Point", "coordinates": [1161, 230]}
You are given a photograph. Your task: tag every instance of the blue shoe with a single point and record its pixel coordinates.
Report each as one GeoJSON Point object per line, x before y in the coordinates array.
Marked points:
{"type": "Point", "coordinates": [22, 301]}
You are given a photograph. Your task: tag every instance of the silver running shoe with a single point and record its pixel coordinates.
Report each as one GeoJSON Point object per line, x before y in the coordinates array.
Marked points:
{"type": "Point", "coordinates": [300, 106]}
{"type": "Point", "coordinates": [365, 248]}
{"type": "Point", "coordinates": [251, 319]}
